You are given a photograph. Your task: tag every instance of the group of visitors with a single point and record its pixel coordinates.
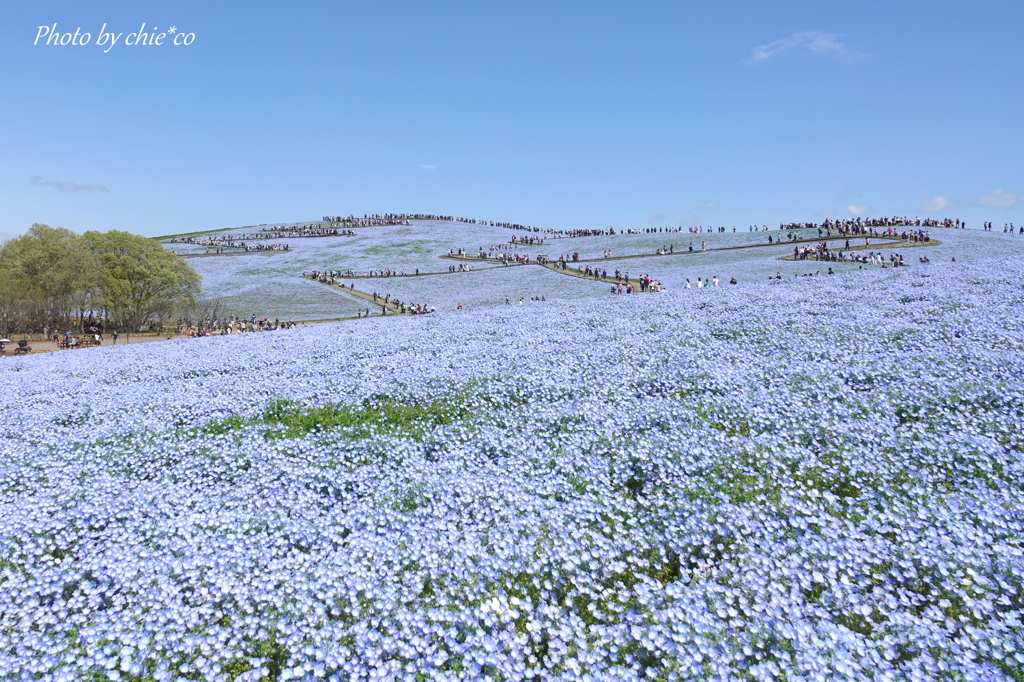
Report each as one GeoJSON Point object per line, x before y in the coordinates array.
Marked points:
{"type": "Point", "coordinates": [326, 276]}
{"type": "Point", "coordinates": [405, 218]}
{"type": "Point", "coordinates": [648, 283]}
{"type": "Point", "coordinates": [368, 220]}
{"type": "Point", "coordinates": [383, 300]}
{"type": "Point", "coordinates": [297, 231]}
{"type": "Point", "coordinates": [589, 233]}
{"type": "Point", "coordinates": [230, 242]}
{"type": "Point", "coordinates": [329, 276]}
{"type": "Point", "coordinates": [400, 306]}
{"type": "Point", "coordinates": [596, 273]}
{"type": "Point", "coordinates": [247, 247]}
{"type": "Point", "coordinates": [821, 252]}
{"type": "Point", "coordinates": [92, 336]}
{"type": "Point", "coordinates": [234, 324]}
{"type": "Point", "coordinates": [1007, 228]}
{"type": "Point", "coordinates": [497, 251]}
{"type": "Point", "coordinates": [522, 301]}
{"type": "Point", "coordinates": [22, 348]}
{"type": "Point", "coordinates": [713, 282]}
{"type": "Point", "coordinates": [272, 232]}
{"type": "Point", "coordinates": [701, 229]}
{"type": "Point", "coordinates": [860, 225]}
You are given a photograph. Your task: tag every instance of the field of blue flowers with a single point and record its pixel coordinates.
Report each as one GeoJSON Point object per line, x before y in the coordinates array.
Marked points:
{"type": "Point", "coordinates": [814, 478]}
{"type": "Point", "coordinates": [270, 284]}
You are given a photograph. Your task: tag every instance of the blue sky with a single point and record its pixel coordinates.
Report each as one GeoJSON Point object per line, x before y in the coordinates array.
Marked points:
{"type": "Point", "coordinates": [564, 115]}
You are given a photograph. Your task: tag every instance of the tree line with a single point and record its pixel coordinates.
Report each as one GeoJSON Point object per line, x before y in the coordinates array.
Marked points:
{"type": "Point", "coordinates": [52, 278]}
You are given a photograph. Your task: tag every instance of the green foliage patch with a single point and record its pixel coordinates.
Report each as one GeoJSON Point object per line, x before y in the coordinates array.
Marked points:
{"type": "Point", "coordinates": [378, 415]}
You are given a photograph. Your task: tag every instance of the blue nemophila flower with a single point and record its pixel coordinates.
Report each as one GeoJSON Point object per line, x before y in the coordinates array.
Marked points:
{"type": "Point", "coordinates": [807, 480]}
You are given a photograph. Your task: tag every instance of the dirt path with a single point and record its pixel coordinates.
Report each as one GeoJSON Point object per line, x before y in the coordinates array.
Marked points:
{"type": "Point", "coordinates": [898, 244]}
{"type": "Point", "coordinates": [39, 346]}
{"type": "Point", "coordinates": [380, 302]}
{"type": "Point", "coordinates": [573, 271]}
{"type": "Point", "coordinates": [421, 274]}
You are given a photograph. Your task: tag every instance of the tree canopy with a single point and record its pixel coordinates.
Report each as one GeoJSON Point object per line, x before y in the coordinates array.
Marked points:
{"type": "Point", "coordinates": [50, 273]}
{"type": "Point", "coordinates": [141, 279]}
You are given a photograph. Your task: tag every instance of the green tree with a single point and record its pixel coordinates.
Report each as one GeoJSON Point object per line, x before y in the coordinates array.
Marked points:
{"type": "Point", "coordinates": [15, 292]}
{"type": "Point", "coordinates": [50, 272]}
{"type": "Point", "coordinates": [142, 282]}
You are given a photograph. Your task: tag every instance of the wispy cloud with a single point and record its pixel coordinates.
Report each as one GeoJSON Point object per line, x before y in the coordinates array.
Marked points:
{"type": "Point", "coordinates": [827, 44]}
{"type": "Point", "coordinates": [66, 185]}
{"type": "Point", "coordinates": [937, 203]}
{"type": "Point", "coordinates": [428, 166]}
{"type": "Point", "coordinates": [1000, 198]}
{"type": "Point", "coordinates": [858, 209]}
{"type": "Point", "coordinates": [705, 205]}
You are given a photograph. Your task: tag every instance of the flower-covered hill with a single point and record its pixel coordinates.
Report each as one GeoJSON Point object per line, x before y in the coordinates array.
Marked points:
{"type": "Point", "coordinates": [818, 478]}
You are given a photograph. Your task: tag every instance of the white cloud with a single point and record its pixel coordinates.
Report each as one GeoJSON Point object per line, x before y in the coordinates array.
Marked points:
{"type": "Point", "coordinates": [428, 166]}
{"type": "Point", "coordinates": [814, 41]}
{"type": "Point", "coordinates": [858, 209]}
{"type": "Point", "coordinates": [937, 203]}
{"type": "Point", "coordinates": [66, 185]}
{"type": "Point", "coordinates": [1000, 198]}
{"type": "Point", "coordinates": [705, 205]}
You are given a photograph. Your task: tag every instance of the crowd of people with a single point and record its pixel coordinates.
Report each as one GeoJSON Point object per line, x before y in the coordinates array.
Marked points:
{"type": "Point", "coordinates": [495, 251]}
{"type": "Point", "coordinates": [368, 220]}
{"type": "Point", "coordinates": [849, 230]}
{"type": "Point", "coordinates": [233, 324]}
{"type": "Point", "coordinates": [327, 276]}
{"type": "Point", "coordinates": [405, 218]}
{"type": "Point", "coordinates": [862, 225]}
{"type": "Point", "coordinates": [221, 243]}
{"type": "Point", "coordinates": [246, 247]}
{"type": "Point", "coordinates": [400, 306]}
{"type": "Point", "coordinates": [588, 233]}
{"type": "Point", "coordinates": [298, 231]}
{"type": "Point", "coordinates": [830, 229]}
{"type": "Point", "coordinates": [385, 301]}
{"type": "Point", "coordinates": [646, 283]}
{"type": "Point", "coordinates": [821, 252]}
{"type": "Point", "coordinates": [701, 229]}
{"type": "Point", "coordinates": [275, 232]}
